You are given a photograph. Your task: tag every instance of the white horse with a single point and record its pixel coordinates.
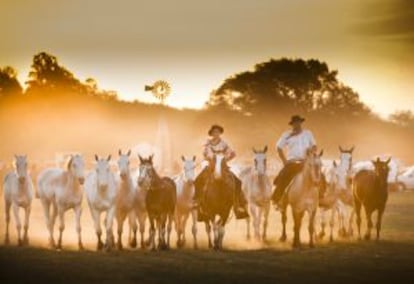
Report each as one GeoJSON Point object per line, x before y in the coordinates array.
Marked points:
{"type": "Point", "coordinates": [184, 206]}
{"type": "Point", "coordinates": [303, 196]}
{"type": "Point", "coordinates": [345, 204]}
{"type": "Point", "coordinates": [61, 190]}
{"type": "Point", "coordinates": [125, 201]}
{"type": "Point", "coordinates": [258, 190]}
{"type": "Point", "coordinates": [18, 192]}
{"type": "Point", "coordinates": [101, 192]}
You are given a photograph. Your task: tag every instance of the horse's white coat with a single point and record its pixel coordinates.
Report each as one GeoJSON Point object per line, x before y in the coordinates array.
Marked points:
{"type": "Point", "coordinates": [61, 190]}
{"type": "Point", "coordinates": [18, 192]}
{"type": "Point", "coordinates": [184, 207]}
{"type": "Point", "coordinates": [101, 192]}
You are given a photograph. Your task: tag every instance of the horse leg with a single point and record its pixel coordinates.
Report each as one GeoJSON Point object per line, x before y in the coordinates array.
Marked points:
{"type": "Point", "coordinates": [358, 217]}
{"type": "Point", "coordinates": [379, 220]}
{"type": "Point", "coordinates": [183, 226]}
{"type": "Point", "coordinates": [331, 224]}
{"type": "Point", "coordinates": [321, 234]}
{"type": "Point", "coordinates": [96, 216]}
{"type": "Point", "coordinates": [27, 211]}
{"type": "Point", "coordinates": [284, 220]}
{"type": "Point", "coordinates": [178, 228]}
{"type": "Point", "coordinates": [61, 215]}
{"type": "Point", "coordinates": [256, 221]}
{"type": "Point", "coordinates": [248, 227]}
{"type": "Point", "coordinates": [194, 228]}
{"type": "Point", "coordinates": [120, 219]}
{"type": "Point", "coordinates": [351, 221]}
{"type": "Point", "coordinates": [297, 219]}
{"type": "Point", "coordinates": [221, 232]}
{"type": "Point", "coordinates": [132, 226]}
{"type": "Point", "coordinates": [311, 228]}
{"type": "Point", "coordinates": [141, 220]}
{"type": "Point", "coordinates": [152, 233]}
{"type": "Point", "coordinates": [265, 221]}
{"type": "Point", "coordinates": [216, 234]}
{"type": "Point", "coordinates": [7, 208]}
{"type": "Point", "coordinates": [18, 223]}
{"type": "Point", "coordinates": [169, 229]}
{"type": "Point", "coordinates": [109, 227]}
{"type": "Point", "coordinates": [48, 221]}
{"type": "Point", "coordinates": [208, 231]}
{"type": "Point", "coordinates": [368, 214]}
{"type": "Point", "coordinates": [78, 214]}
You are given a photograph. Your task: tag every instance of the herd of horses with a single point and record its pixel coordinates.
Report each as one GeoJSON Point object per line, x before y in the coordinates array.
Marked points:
{"type": "Point", "coordinates": [145, 195]}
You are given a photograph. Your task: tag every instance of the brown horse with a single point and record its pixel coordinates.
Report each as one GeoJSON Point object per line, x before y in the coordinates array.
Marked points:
{"type": "Point", "coordinates": [370, 189]}
{"type": "Point", "coordinates": [160, 202]}
{"type": "Point", "coordinates": [218, 199]}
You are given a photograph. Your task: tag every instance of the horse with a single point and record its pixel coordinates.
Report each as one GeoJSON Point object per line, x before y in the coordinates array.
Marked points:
{"type": "Point", "coordinates": [101, 193]}
{"type": "Point", "coordinates": [184, 207]}
{"type": "Point", "coordinates": [302, 196]}
{"type": "Point", "coordinates": [125, 200]}
{"type": "Point", "coordinates": [344, 181]}
{"type": "Point", "coordinates": [258, 190]}
{"type": "Point", "coordinates": [61, 190]}
{"type": "Point", "coordinates": [370, 190]}
{"type": "Point", "coordinates": [160, 202]}
{"type": "Point", "coordinates": [18, 192]}
{"type": "Point", "coordinates": [219, 194]}
{"type": "Point", "coordinates": [140, 211]}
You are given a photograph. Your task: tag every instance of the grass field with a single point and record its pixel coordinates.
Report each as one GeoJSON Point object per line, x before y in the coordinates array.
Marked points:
{"type": "Point", "coordinates": [390, 260]}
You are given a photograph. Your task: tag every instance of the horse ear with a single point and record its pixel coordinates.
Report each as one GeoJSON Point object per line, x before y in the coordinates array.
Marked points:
{"type": "Point", "coordinates": [183, 158]}
{"type": "Point", "coordinates": [352, 149]}
{"type": "Point", "coordinates": [16, 157]}
{"type": "Point", "coordinates": [388, 161]}
{"type": "Point", "coordinates": [378, 160]}
{"type": "Point", "coordinates": [129, 153]}
{"type": "Point", "coordinates": [109, 157]}
{"type": "Point", "coordinates": [321, 153]}
{"type": "Point", "coordinates": [151, 157]}
{"type": "Point", "coordinates": [340, 149]}
{"type": "Point", "coordinates": [334, 164]}
{"type": "Point", "coordinates": [119, 152]}
{"type": "Point", "coordinates": [254, 150]}
{"type": "Point", "coordinates": [194, 158]}
{"type": "Point", "coordinates": [140, 158]}
{"type": "Point", "coordinates": [265, 149]}
{"type": "Point", "coordinates": [96, 157]}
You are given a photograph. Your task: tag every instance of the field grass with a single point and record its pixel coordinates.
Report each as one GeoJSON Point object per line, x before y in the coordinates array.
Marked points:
{"type": "Point", "coordinates": [344, 261]}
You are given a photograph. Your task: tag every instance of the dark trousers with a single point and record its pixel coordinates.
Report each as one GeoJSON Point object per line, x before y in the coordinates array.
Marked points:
{"type": "Point", "coordinates": [284, 178]}
{"type": "Point", "coordinates": [200, 182]}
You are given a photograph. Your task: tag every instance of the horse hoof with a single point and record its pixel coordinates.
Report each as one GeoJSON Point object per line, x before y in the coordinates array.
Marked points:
{"type": "Point", "coordinates": [312, 245]}
{"type": "Point", "coordinates": [133, 243]}
{"type": "Point", "coordinates": [331, 239]}
{"type": "Point", "coordinates": [26, 242]}
{"type": "Point", "coordinates": [120, 246]}
{"type": "Point", "coordinates": [282, 238]}
{"type": "Point", "coordinates": [367, 237]}
{"type": "Point", "coordinates": [20, 242]}
{"type": "Point", "coordinates": [321, 235]}
{"type": "Point", "coordinates": [6, 241]}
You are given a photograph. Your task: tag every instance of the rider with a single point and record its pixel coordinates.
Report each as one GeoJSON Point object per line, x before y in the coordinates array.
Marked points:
{"type": "Point", "coordinates": [297, 141]}
{"type": "Point", "coordinates": [217, 144]}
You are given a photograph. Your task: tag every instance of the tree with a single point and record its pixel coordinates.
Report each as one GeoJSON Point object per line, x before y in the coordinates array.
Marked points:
{"type": "Point", "coordinates": [8, 82]}
{"type": "Point", "coordinates": [403, 117]}
{"type": "Point", "coordinates": [48, 75]}
{"type": "Point", "coordinates": [305, 85]}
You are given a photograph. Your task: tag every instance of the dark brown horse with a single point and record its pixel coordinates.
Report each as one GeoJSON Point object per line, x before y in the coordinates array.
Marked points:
{"type": "Point", "coordinates": [370, 189]}
{"type": "Point", "coordinates": [218, 199]}
{"type": "Point", "coordinates": [160, 202]}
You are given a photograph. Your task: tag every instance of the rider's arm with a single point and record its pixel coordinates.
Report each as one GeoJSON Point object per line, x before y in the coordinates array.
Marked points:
{"type": "Point", "coordinates": [282, 155]}
{"type": "Point", "coordinates": [281, 143]}
{"type": "Point", "coordinates": [230, 154]}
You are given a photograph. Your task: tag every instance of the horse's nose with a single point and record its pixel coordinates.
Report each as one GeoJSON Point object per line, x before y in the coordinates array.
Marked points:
{"type": "Point", "coordinates": [103, 187]}
{"type": "Point", "coordinates": [123, 175]}
{"type": "Point", "coordinates": [81, 180]}
{"type": "Point", "coordinates": [21, 179]}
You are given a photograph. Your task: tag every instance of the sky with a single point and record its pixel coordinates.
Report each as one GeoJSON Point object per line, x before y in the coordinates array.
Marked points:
{"type": "Point", "coordinates": [195, 45]}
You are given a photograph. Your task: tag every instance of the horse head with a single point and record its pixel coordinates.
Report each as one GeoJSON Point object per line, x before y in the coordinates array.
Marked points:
{"type": "Point", "coordinates": [260, 160]}
{"type": "Point", "coordinates": [20, 163]}
{"type": "Point", "coordinates": [345, 157]}
{"type": "Point", "coordinates": [146, 171]}
{"type": "Point", "coordinates": [103, 172]}
{"type": "Point", "coordinates": [218, 164]}
{"type": "Point", "coordinates": [381, 169]}
{"type": "Point", "coordinates": [189, 168]}
{"type": "Point", "coordinates": [76, 166]}
{"type": "Point", "coordinates": [313, 164]}
{"type": "Point", "coordinates": [123, 164]}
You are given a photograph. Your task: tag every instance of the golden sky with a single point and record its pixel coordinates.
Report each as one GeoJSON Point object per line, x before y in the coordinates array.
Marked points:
{"type": "Point", "coordinates": [194, 44]}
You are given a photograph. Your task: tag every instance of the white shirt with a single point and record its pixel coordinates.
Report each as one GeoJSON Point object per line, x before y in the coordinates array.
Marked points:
{"type": "Point", "coordinates": [296, 144]}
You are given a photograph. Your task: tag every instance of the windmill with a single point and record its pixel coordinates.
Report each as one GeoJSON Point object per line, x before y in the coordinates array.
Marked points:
{"type": "Point", "coordinates": [160, 90]}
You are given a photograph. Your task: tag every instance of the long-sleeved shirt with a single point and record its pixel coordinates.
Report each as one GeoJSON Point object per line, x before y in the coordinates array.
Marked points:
{"type": "Point", "coordinates": [221, 146]}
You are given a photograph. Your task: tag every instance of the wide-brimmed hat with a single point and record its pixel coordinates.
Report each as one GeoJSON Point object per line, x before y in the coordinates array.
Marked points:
{"type": "Point", "coordinates": [296, 118]}
{"type": "Point", "coordinates": [215, 126]}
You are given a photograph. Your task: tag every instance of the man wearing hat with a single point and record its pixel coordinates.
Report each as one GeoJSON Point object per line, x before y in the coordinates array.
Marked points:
{"type": "Point", "coordinates": [296, 142]}
{"type": "Point", "coordinates": [217, 144]}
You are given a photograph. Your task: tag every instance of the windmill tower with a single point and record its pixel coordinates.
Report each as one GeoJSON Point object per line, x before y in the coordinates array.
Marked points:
{"type": "Point", "coordinates": [161, 90]}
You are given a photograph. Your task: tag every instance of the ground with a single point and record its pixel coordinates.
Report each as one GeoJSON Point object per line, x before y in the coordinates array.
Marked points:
{"type": "Point", "coordinates": [344, 261]}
